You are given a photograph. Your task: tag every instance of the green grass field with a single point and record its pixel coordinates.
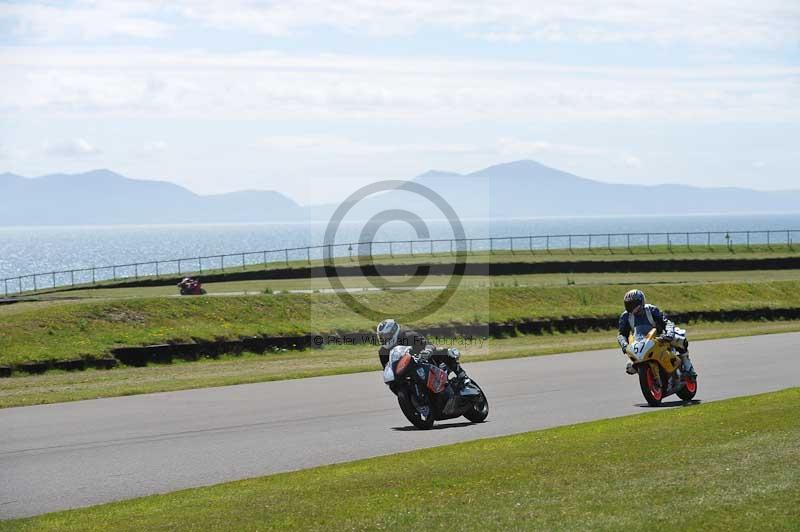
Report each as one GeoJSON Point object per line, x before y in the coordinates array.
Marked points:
{"type": "Point", "coordinates": [33, 331]}
{"type": "Point", "coordinates": [58, 386]}
{"type": "Point", "coordinates": [729, 465]}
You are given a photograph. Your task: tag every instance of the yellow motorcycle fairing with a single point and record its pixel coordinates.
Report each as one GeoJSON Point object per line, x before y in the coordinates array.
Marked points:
{"type": "Point", "coordinates": [650, 349]}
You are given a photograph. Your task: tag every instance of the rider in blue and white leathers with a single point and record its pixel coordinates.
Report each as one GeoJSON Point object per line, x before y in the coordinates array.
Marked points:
{"type": "Point", "coordinates": [639, 317]}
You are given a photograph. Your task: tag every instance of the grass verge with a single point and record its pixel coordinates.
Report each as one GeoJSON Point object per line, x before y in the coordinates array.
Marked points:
{"type": "Point", "coordinates": [65, 331]}
{"type": "Point", "coordinates": [59, 386]}
{"type": "Point", "coordinates": [256, 287]}
{"type": "Point", "coordinates": [729, 465]}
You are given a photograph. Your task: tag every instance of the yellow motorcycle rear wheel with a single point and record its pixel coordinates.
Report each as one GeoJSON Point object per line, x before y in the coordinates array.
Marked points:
{"type": "Point", "coordinates": [689, 389]}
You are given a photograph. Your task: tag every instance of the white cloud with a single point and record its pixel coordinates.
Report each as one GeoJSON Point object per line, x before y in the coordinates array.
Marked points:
{"type": "Point", "coordinates": [76, 147]}
{"type": "Point", "coordinates": [271, 85]}
{"type": "Point", "coordinates": [722, 23]}
{"type": "Point", "coordinates": [631, 161]}
{"type": "Point", "coordinates": [339, 145]}
{"type": "Point", "coordinates": [718, 23]}
{"type": "Point", "coordinates": [156, 146]}
{"type": "Point", "coordinates": [84, 20]}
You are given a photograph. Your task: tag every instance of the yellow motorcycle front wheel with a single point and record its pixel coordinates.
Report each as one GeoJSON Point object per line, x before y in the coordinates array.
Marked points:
{"type": "Point", "coordinates": [651, 388]}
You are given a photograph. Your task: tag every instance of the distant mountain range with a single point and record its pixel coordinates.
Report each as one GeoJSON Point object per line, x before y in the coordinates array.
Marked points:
{"type": "Point", "coordinates": [512, 190]}
{"type": "Point", "coordinates": [104, 197]}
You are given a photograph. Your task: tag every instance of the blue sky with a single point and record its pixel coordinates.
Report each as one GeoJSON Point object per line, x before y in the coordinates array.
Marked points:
{"type": "Point", "coordinates": [315, 98]}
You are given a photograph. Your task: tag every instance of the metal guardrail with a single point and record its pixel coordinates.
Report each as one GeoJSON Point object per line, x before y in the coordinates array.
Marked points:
{"type": "Point", "coordinates": [36, 282]}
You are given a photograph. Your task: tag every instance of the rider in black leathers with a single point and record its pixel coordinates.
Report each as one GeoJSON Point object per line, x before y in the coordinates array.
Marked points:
{"type": "Point", "coordinates": [391, 334]}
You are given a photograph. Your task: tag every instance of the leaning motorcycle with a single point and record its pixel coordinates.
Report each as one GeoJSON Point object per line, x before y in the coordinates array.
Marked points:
{"type": "Point", "coordinates": [425, 394]}
{"type": "Point", "coordinates": [659, 368]}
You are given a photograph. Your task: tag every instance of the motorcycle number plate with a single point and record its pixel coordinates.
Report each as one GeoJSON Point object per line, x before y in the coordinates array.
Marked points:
{"type": "Point", "coordinates": [437, 380]}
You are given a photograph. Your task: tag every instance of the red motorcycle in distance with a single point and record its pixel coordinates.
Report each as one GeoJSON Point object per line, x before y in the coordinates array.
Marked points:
{"type": "Point", "coordinates": [191, 287]}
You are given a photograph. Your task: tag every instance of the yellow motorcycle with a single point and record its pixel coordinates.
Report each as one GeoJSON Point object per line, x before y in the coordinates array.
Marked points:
{"type": "Point", "coordinates": [659, 368]}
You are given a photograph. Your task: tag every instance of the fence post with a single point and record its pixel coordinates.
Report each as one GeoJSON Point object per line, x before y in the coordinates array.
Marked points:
{"type": "Point", "coordinates": [669, 243]}
{"type": "Point", "coordinates": [590, 242]}
{"type": "Point", "coordinates": [769, 246]}
{"type": "Point", "coordinates": [243, 261]}
{"type": "Point", "coordinates": [114, 270]}
{"type": "Point", "coordinates": [136, 270]}
{"type": "Point", "coordinates": [54, 279]}
{"type": "Point", "coordinates": [609, 244]}
{"type": "Point", "coordinates": [688, 244]}
{"type": "Point", "coordinates": [709, 239]}
{"type": "Point", "coordinates": [308, 255]}
{"type": "Point", "coordinates": [547, 244]}
{"type": "Point", "coordinates": [570, 243]}
{"type": "Point", "coordinates": [530, 244]}
{"type": "Point", "coordinates": [200, 264]}
{"type": "Point", "coordinates": [628, 238]}
{"type": "Point", "coordinates": [789, 240]}
{"type": "Point", "coordinates": [286, 255]}
{"type": "Point", "coordinates": [512, 244]}
{"type": "Point", "coordinates": [5, 281]}
{"type": "Point", "coordinates": [391, 248]}
{"type": "Point", "coordinates": [411, 247]}
{"type": "Point", "coordinates": [34, 283]}
{"type": "Point", "coordinates": [491, 245]}
{"type": "Point", "coordinates": [222, 262]}
{"type": "Point", "coordinates": [19, 280]}
{"type": "Point", "coordinates": [648, 243]}
{"type": "Point", "coordinates": [748, 240]}
{"type": "Point", "coordinates": [265, 258]}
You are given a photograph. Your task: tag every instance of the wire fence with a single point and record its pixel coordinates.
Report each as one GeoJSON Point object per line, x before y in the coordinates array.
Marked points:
{"type": "Point", "coordinates": [646, 242]}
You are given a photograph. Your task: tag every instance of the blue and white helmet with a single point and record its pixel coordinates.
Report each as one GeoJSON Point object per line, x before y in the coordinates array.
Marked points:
{"type": "Point", "coordinates": [388, 331]}
{"type": "Point", "coordinates": [634, 301]}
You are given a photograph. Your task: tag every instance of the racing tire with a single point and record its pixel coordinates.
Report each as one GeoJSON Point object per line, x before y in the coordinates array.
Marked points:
{"type": "Point", "coordinates": [411, 413]}
{"type": "Point", "coordinates": [652, 393]}
{"type": "Point", "coordinates": [689, 389]}
{"type": "Point", "coordinates": [480, 410]}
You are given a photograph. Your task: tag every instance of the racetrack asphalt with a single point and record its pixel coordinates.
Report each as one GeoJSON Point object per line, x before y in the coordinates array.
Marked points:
{"type": "Point", "coordinates": [54, 457]}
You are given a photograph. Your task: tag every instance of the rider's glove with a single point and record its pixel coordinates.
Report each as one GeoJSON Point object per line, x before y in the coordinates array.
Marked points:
{"type": "Point", "coordinates": [425, 354]}
{"type": "Point", "coordinates": [668, 336]}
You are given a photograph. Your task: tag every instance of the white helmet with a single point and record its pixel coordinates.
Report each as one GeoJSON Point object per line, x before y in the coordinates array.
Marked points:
{"type": "Point", "coordinates": [388, 331]}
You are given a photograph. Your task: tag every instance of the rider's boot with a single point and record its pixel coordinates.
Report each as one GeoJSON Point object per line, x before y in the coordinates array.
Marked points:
{"type": "Point", "coordinates": [630, 370]}
{"type": "Point", "coordinates": [686, 365]}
